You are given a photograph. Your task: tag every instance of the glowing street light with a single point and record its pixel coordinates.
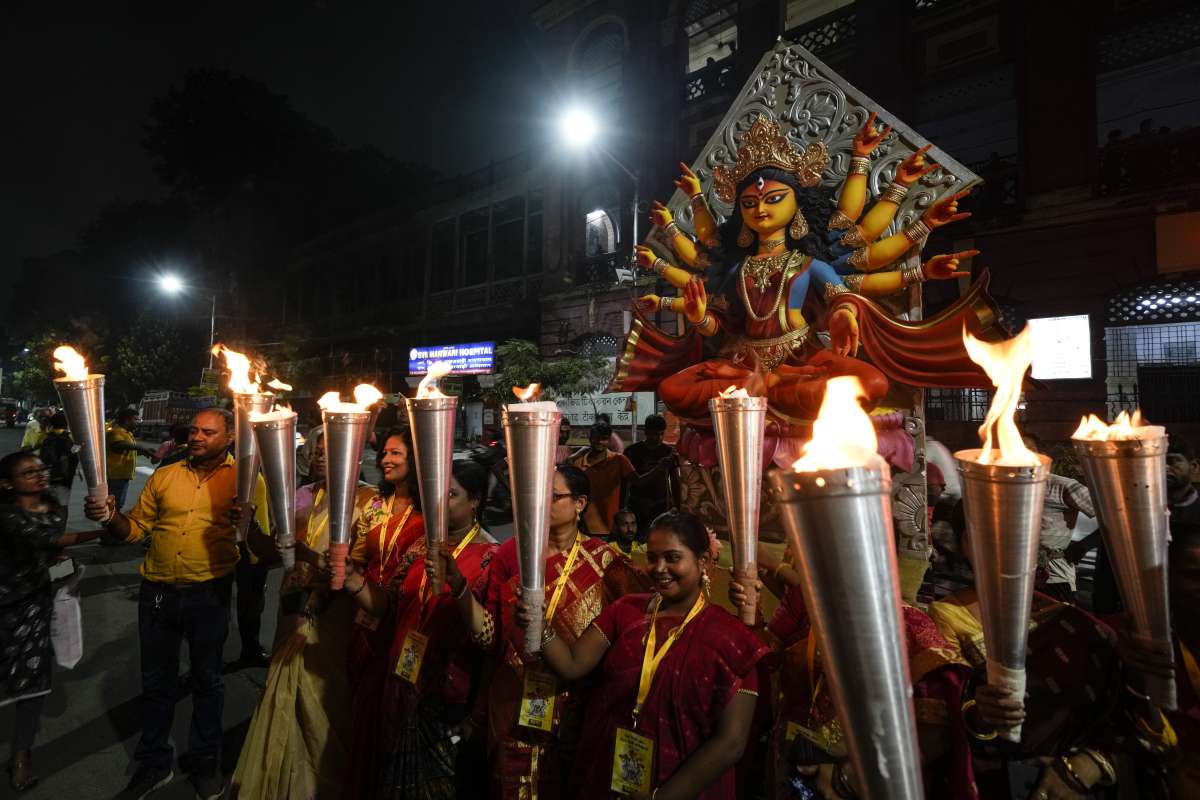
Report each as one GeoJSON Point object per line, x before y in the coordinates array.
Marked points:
{"type": "Point", "coordinates": [172, 284]}
{"type": "Point", "coordinates": [578, 127]}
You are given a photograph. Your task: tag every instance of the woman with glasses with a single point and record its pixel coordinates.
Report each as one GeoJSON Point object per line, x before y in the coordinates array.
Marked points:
{"type": "Point", "coordinates": [32, 533]}
{"type": "Point", "coordinates": [535, 719]}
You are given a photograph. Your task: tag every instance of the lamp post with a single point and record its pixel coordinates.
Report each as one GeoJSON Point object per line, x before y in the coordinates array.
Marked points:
{"type": "Point", "coordinates": [579, 129]}
{"type": "Point", "coordinates": [173, 285]}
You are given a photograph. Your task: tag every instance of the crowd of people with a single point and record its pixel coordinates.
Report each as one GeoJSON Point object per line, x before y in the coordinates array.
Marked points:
{"type": "Point", "coordinates": [644, 684]}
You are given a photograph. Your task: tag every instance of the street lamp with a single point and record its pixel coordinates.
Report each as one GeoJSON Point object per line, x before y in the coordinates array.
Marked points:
{"type": "Point", "coordinates": [173, 285]}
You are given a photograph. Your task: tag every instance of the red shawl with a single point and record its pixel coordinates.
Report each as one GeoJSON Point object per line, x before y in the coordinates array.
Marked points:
{"type": "Point", "coordinates": [714, 658]}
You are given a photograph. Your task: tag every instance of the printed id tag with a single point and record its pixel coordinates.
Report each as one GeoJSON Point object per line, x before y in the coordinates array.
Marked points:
{"type": "Point", "coordinates": [633, 758]}
{"type": "Point", "coordinates": [537, 700]}
{"type": "Point", "coordinates": [412, 653]}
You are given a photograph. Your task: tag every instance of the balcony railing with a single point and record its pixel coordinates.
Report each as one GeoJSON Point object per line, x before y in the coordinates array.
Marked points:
{"type": "Point", "coordinates": [709, 81]}
{"type": "Point", "coordinates": [609, 269]}
{"type": "Point", "coordinates": [1149, 160]}
{"type": "Point", "coordinates": [832, 32]}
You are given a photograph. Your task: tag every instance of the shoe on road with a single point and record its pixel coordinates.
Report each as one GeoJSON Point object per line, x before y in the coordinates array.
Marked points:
{"type": "Point", "coordinates": [146, 781]}
{"type": "Point", "coordinates": [255, 657]}
{"type": "Point", "coordinates": [209, 785]}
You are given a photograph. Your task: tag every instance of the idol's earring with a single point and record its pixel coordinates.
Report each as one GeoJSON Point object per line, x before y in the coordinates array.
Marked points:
{"type": "Point", "coordinates": [706, 582]}
{"type": "Point", "coordinates": [798, 228]}
{"type": "Point", "coordinates": [745, 237]}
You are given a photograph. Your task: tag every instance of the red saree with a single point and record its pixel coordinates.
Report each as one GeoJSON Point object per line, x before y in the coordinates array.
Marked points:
{"type": "Point", "coordinates": [938, 673]}
{"type": "Point", "coordinates": [524, 765]}
{"type": "Point", "coordinates": [714, 658]}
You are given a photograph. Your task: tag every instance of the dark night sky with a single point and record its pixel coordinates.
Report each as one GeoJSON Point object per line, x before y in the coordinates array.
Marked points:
{"type": "Point", "coordinates": [450, 84]}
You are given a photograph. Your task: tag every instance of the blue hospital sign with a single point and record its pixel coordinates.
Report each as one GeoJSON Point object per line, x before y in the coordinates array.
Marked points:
{"type": "Point", "coordinates": [478, 358]}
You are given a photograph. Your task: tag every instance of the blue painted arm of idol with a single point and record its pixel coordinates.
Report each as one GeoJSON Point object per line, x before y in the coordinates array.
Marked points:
{"type": "Point", "coordinates": [820, 274]}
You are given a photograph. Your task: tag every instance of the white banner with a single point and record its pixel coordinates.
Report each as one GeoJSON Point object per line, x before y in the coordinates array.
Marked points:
{"type": "Point", "coordinates": [580, 410]}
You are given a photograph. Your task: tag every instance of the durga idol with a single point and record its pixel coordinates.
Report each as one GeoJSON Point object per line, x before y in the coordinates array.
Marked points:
{"type": "Point", "coordinates": [788, 262]}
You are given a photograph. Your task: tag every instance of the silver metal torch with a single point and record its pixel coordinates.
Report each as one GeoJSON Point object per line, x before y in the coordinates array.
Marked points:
{"type": "Point", "coordinates": [344, 437]}
{"type": "Point", "coordinates": [432, 421]}
{"type": "Point", "coordinates": [245, 449]}
{"type": "Point", "coordinates": [840, 526]}
{"type": "Point", "coordinates": [275, 435]}
{"type": "Point", "coordinates": [531, 434]}
{"type": "Point", "coordinates": [1128, 479]}
{"type": "Point", "coordinates": [738, 423]}
{"type": "Point", "coordinates": [1003, 506]}
{"type": "Point", "coordinates": [83, 403]}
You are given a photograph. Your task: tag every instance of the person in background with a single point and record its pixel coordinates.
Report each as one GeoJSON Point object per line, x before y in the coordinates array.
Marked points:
{"type": "Point", "coordinates": [624, 537]}
{"type": "Point", "coordinates": [123, 451]}
{"type": "Point", "coordinates": [606, 472]}
{"type": "Point", "coordinates": [654, 486]}
{"type": "Point", "coordinates": [1065, 499]}
{"type": "Point", "coordinates": [564, 451]}
{"type": "Point", "coordinates": [615, 443]}
{"type": "Point", "coordinates": [58, 454]}
{"type": "Point", "coordinates": [32, 535]}
{"type": "Point", "coordinates": [189, 511]}
{"type": "Point", "coordinates": [173, 449]}
{"type": "Point", "coordinates": [32, 439]}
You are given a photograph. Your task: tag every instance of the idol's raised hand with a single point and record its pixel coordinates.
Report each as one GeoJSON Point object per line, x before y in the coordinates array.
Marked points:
{"type": "Point", "coordinates": [660, 215]}
{"type": "Point", "coordinates": [869, 137]}
{"type": "Point", "coordinates": [687, 181]}
{"type": "Point", "coordinates": [843, 332]}
{"type": "Point", "coordinates": [945, 267]}
{"type": "Point", "coordinates": [945, 211]}
{"type": "Point", "coordinates": [649, 303]}
{"type": "Point", "coordinates": [695, 301]}
{"type": "Point", "coordinates": [915, 167]}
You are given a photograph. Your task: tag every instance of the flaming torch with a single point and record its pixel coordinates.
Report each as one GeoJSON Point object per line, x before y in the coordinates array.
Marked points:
{"type": "Point", "coordinates": [431, 415]}
{"type": "Point", "coordinates": [836, 510]}
{"type": "Point", "coordinates": [1126, 467]}
{"type": "Point", "coordinates": [531, 434]}
{"type": "Point", "coordinates": [82, 397]}
{"type": "Point", "coordinates": [275, 435]}
{"type": "Point", "coordinates": [345, 433]}
{"type": "Point", "coordinates": [1003, 491]}
{"type": "Point", "coordinates": [247, 399]}
{"type": "Point", "coordinates": [738, 423]}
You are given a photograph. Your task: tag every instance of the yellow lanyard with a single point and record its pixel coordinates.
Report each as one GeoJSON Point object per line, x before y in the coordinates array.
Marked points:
{"type": "Point", "coordinates": [561, 583]}
{"type": "Point", "coordinates": [462, 545]}
{"type": "Point", "coordinates": [814, 680]}
{"type": "Point", "coordinates": [650, 658]}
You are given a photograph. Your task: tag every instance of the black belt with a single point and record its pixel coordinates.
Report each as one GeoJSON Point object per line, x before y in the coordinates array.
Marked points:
{"type": "Point", "coordinates": [186, 588]}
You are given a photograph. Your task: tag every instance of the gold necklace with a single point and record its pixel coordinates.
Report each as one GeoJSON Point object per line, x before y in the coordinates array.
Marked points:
{"type": "Point", "coordinates": [761, 271]}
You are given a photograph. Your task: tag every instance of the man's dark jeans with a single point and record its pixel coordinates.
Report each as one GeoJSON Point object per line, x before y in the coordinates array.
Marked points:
{"type": "Point", "coordinates": [168, 615]}
{"type": "Point", "coordinates": [251, 600]}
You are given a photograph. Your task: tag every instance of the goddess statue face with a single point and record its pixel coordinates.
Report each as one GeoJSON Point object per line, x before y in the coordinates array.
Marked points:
{"type": "Point", "coordinates": [767, 207]}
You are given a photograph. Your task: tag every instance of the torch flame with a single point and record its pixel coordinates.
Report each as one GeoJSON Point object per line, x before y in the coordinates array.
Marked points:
{"type": "Point", "coordinates": [734, 391]}
{"type": "Point", "coordinates": [367, 395]}
{"type": "Point", "coordinates": [843, 435]}
{"type": "Point", "coordinates": [280, 385]}
{"type": "Point", "coordinates": [428, 386]}
{"type": "Point", "coordinates": [332, 401]}
{"type": "Point", "coordinates": [529, 393]}
{"type": "Point", "coordinates": [1005, 364]}
{"type": "Point", "coordinates": [70, 363]}
{"type": "Point", "coordinates": [239, 370]}
{"type": "Point", "coordinates": [281, 412]}
{"type": "Point", "coordinates": [1092, 428]}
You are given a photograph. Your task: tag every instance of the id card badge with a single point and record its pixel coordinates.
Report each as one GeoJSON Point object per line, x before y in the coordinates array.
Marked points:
{"type": "Point", "coordinates": [633, 760]}
{"type": "Point", "coordinates": [537, 700]}
{"type": "Point", "coordinates": [365, 619]}
{"type": "Point", "coordinates": [793, 730]}
{"type": "Point", "coordinates": [412, 653]}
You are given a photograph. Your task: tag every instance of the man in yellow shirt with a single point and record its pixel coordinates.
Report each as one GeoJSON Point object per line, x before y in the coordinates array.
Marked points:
{"type": "Point", "coordinates": [188, 510]}
{"type": "Point", "coordinates": [123, 451]}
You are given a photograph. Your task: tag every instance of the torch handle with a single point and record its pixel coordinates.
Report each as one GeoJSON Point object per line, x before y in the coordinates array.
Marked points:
{"type": "Point", "coordinates": [535, 599]}
{"type": "Point", "coordinates": [1161, 689]}
{"type": "Point", "coordinates": [748, 578]}
{"type": "Point", "coordinates": [288, 554]}
{"type": "Point", "coordinates": [99, 490]}
{"type": "Point", "coordinates": [338, 552]}
{"type": "Point", "coordinates": [1011, 681]}
{"type": "Point", "coordinates": [439, 575]}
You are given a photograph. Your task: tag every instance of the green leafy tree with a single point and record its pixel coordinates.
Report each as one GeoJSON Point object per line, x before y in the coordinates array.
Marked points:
{"type": "Point", "coordinates": [521, 363]}
{"type": "Point", "coordinates": [150, 355]}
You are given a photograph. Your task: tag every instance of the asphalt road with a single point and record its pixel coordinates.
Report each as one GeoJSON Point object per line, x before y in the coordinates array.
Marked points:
{"type": "Point", "coordinates": [91, 723]}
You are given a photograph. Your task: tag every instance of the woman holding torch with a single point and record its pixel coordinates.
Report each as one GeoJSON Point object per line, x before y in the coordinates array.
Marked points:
{"type": "Point", "coordinates": [299, 738]}
{"type": "Point", "coordinates": [535, 719]}
{"type": "Point", "coordinates": [677, 682]}
{"type": "Point", "coordinates": [808, 753]}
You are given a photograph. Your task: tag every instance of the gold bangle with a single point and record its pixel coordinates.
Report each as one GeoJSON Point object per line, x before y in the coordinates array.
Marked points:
{"type": "Point", "coordinates": [778, 568]}
{"type": "Point", "coordinates": [1108, 775]}
{"type": "Point", "coordinates": [911, 274]}
{"type": "Point", "coordinates": [860, 258]}
{"type": "Point", "coordinates": [670, 304]}
{"type": "Point", "coordinates": [854, 238]}
{"type": "Point", "coordinates": [1073, 777]}
{"type": "Point", "coordinates": [917, 231]}
{"type": "Point", "coordinates": [894, 193]}
{"type": "Point", "coordinates": [659, 266]}
{"type": "Point", "coordinates": [707, 325]}
{"type": "Point", "coordinates": [839, 221]}
{"type": "Point", "coordinates": [854, 282]}
{"type": "Point", "coordinates": [672, 229]}
{"type": "Point", "coordinates": [985, 736]}
{"type": "Point", "coordinates": [859, 165]}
